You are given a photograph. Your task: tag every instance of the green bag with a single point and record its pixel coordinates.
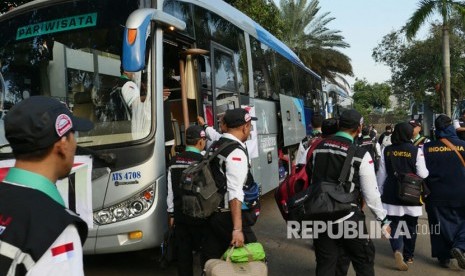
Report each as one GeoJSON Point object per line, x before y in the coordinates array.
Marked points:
{"type": "Point", "coordinates": [248, 253]}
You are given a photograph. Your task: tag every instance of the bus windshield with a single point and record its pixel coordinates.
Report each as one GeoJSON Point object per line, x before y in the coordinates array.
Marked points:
{"type": "Point", "coordinates": [71, 51]}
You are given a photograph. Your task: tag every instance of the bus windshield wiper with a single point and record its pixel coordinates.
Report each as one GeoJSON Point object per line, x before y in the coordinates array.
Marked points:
{"type": "Point", "coordinates": [108, 158]}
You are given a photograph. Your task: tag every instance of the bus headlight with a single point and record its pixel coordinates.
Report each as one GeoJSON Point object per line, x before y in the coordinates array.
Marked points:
{"type": "Point", "coordinates": [130, 208]}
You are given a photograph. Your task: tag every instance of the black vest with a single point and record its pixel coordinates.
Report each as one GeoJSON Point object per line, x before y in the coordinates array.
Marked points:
{"type": "Point", "coordinates": [446, 179]}
{"type": "Point", "coordinates": [177, 165]}
{"type": "Point", "coordinates": [328, 159]}
{"type": "Point", "coordinates": [399, 158]}
{"type": "Point", "coordinates": [32, 221]}
{"type": "Point", "coordinates": [369, 145]}
{"type": "Point", "coordinates": [218, 166]}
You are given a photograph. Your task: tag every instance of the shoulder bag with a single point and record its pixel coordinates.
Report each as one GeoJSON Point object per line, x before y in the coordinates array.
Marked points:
{"type": "Point", "coordinates": [411, 188]}
{"type": "Point", "coordinates": [330, 201]}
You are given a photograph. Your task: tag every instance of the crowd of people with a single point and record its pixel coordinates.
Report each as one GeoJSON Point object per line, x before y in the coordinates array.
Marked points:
{"type": "Point", "coordinates": [375, 166]}
{"type": "Point", "coordinates": [375, 179]}
{"type": "Point", "coordinates": [40, 131]}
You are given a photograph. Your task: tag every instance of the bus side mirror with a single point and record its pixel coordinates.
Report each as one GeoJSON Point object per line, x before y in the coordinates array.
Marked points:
{"type": "Point", "coordinates": [136, 33]}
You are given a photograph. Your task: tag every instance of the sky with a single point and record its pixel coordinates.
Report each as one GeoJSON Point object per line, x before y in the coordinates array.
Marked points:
{"type": "Point", "coordinates": [363, 23]}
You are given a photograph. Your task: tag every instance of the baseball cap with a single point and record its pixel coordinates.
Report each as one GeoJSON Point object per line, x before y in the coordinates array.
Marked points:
{"type": "Point", "coordinates": [415, 123]}
{"type": "Point", "coordinates": [350, 119]}
{"type": "Point", "coordinates": [38, 122]}
{"type": "Point", "coordinates": [195, 132]}
{"type": "Point", "coordinates": [442, 122]}
{"type": "Point", "coordinates": [329, 126]}
{"type": "Point", "coordinates": [237, 117]}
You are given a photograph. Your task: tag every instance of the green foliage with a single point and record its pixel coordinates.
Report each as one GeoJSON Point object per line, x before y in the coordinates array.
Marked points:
{"type": "Point", "coordinates": [447, 9]}
{"type": "Point", "coordinates": [263, 12]}
{"type": "Point", "coordinates": [416, 66]}
{"type": "Point", "coordinates": [307, 33]}
{"type": "Point", "coordinates": [369, 97]}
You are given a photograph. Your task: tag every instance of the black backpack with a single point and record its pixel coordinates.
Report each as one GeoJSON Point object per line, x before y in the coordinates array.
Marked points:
{"type": "Point", "coordinates": [373, 153]}
{"type": "Point", "coordinates": [200, 193]}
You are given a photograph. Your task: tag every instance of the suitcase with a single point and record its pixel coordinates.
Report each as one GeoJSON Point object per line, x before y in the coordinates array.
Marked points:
{"type": "Point", "coordinates": [220, 267]}
{"type": "Point", "coordinates": [217, 267]}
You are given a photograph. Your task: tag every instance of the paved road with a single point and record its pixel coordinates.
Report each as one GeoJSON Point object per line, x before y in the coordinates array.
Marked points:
{"type": "Point", "coordinates": [286, 257]}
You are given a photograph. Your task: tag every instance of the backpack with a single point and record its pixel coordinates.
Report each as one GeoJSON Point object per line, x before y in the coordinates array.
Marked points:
{"type": "Point", "coordinates": [200, 194]}
{"type": "Point", "coordinates": [292, 189]}
{"type": "Point", "coordinates": [293, 184]}
{"type": "Point", "coordinates": [373, 153]}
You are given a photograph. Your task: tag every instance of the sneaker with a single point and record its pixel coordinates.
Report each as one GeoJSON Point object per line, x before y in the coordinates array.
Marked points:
{"type": "Point", "coordinates": [400, 264]}
{"type": "Point", "coordinates": [409, 260]}
{"type": "Point", "coordinates": [459, 256]}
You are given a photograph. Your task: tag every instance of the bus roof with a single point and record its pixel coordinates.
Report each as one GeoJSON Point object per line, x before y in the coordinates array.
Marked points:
{"type": "Point", "coordinates": [245, 23]}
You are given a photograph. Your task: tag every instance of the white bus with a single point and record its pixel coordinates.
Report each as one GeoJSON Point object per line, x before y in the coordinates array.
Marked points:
{"type": "Point", "coordinates": [211, 56]}
{"type": "Point", "coordinates": [337, 98]}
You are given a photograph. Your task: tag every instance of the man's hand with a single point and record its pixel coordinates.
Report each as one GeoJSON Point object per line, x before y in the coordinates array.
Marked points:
{"type": "Point", "coordinates": [237, 238]}
{"type": "Point", "coordinates": [200, 120]}
{"type": "Point", "coordinates": [166, 94]}
{"type": "Point", "coordinates": [386, 231]}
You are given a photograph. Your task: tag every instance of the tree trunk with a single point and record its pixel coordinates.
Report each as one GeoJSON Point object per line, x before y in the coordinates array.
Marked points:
{"type": "Point", "coordinates": [446, 67]}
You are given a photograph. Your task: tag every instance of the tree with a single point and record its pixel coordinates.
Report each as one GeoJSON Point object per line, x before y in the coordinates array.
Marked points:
{"type": "Point", "coordinates": [369, 97]}
{"type": "Point", "coordinates": [445, 8]}
{"type": "Point", "coordinates": [416, 66]}
{"type": "Point", "coordinates": [307, 34]}
{"type": "Point", "coordinates": [263, 12]}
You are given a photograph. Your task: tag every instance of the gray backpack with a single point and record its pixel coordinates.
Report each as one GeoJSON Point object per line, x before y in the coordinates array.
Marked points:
{"type": "Point", "coordinates": [200, 196]}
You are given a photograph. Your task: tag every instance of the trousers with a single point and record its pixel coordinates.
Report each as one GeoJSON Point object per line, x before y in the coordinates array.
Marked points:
{"type": "Point", "coordinates": [218, 235]}
{"type": "Point", "coordinates": [403, 234]}
{"type": "Point", "coordinates": [361, 251]}
{"type": "Point", "coordinates": [188, 239]}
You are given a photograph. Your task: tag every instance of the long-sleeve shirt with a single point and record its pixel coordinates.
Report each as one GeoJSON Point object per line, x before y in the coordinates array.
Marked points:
{"type": "Point", "coordinates": [237, 168]}
{"type": "Point", "coordinates": [369, 187]}
{"type": "Point", "coordinates": [398, 210]}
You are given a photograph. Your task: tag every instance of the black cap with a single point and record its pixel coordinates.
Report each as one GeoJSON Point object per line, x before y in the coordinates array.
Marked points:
{"type": "Point", "coordinates": [237, 117]}
{"type": "Point", "coordinates": [329, 126]}
{"type": "Point", "coordinates": [442, 122]}
{"type": "Point", "coordinates": [195, 132]}
{"type": "Point", "coordinates": [366, 130]}
{"type": "Point", "coordinates": [350, 119]}
{"type": "Point", "coordinates": [415, 123]}
{"type": "Point", "coordinates": [38, 122]}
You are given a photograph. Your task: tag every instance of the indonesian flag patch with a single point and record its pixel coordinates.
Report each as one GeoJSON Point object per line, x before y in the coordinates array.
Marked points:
{"type": "Point", "coordinates": [63, 252]}
{"type": "Point", "coordinates": [236, 159]}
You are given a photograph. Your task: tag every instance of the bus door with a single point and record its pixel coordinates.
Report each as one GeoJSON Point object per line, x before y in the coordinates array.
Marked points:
{"type": "Point", "coordinates": [180, 77]}
{"type": "Point", "coordinates": [225, 92]}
